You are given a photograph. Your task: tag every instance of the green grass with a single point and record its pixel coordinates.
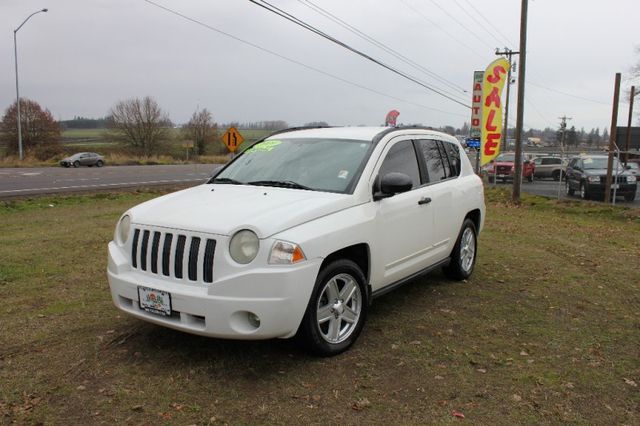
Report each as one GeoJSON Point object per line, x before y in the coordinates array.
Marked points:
{"type": "Point", "coordinates": [546, 331]}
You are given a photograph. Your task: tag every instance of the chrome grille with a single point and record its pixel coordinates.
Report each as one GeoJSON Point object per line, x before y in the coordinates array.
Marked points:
{"type": "Point", "coordinates": [172, 254]}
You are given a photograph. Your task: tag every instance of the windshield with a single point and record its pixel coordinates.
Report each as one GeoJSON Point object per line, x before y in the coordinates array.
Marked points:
{"type": "Point", "coordinates": [331, 165]}
{"type": "Point", "coordinates": [599, 163]}
{"type": "Point", "coordinates": [506, 157]}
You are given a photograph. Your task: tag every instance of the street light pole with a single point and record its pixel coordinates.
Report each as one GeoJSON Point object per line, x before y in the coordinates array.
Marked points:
{"type": "Point", "coordinates": [15, 52]}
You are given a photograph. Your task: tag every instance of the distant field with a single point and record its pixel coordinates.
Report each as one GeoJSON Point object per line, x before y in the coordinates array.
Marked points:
{"type": "Point", "coordinates": [546, 331]}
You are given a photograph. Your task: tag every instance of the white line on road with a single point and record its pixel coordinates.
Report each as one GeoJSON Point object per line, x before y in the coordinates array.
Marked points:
{"type": "Point", "coordinates": [99, 185]}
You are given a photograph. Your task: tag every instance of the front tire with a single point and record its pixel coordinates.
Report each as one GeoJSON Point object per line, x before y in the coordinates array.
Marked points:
{"type": "Point", "coordinates": [337, 309]}
{"type": "Point", "coordinates": [570, 190]}
{"type": "Point", "coordinates": [100, 163]}
{"type": "Point", "coordinates": [463, 256]}
{"type": "Point", "coordinates": [584, 192]}
{"type": "Point", "coordinates": [76, 164]}
{"type": "Point", "coordinates": [629, 197]}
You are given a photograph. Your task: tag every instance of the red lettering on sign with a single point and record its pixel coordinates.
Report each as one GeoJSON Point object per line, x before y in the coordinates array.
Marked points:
{"type": "Point", "coordinates": [490, 126]}
{"type": "Point", "coordinates": [477, 86]}
{"type": "Point", "coordinates": [490, 145]}
{"type": "Point", "coordinates": [494, 97]}
{"type": "Point", "coordinates": [495, 77]}
{"type": "Point", "coordinates": [477, 98]}
{"type": "Point", "coordinates": [475, 122]}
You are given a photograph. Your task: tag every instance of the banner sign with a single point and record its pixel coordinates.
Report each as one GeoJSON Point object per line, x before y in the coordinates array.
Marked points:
{"type": "Point", "coordinates": [493, 82]}
{"type": "Point", "coordinates": [476, 105]}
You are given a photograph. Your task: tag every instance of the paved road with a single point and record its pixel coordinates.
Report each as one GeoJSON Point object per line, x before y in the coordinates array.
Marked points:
{"type": "Point", "coordinates": [29, 181]}
{"type": "Point", "coordinates": [549, 188]}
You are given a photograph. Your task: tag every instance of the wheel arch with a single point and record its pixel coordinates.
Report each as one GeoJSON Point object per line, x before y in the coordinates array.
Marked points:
{"type": "Point", "coordinates": [360, 254]}
{"type": "Point", "coordinates": [476, 217]}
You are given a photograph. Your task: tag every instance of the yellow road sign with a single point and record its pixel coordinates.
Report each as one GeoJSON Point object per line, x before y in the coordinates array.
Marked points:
{"type": "Point", "coordinates": [232, 139]}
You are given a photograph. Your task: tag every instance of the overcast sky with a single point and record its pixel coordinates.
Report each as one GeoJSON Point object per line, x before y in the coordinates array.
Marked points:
{"type": "Point", "coordinates": [84, 55]}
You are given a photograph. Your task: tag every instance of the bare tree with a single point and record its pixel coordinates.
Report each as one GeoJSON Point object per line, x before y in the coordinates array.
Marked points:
{"type": "Point", "coordinates": [201, 130]}
{"type": "Point", "coordinates": [141, 123]}
{"type": "Point", "coordinates": [40, 132]}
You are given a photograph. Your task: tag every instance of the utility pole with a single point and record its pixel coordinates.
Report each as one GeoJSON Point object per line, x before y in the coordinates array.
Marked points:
{"type": "Point", "coordinates": [508, 53]}
{"type": "Point", "coordinates": [517, 178]}
{"type": "Point", "coordinates": [612, 137]}
{"type": "Point", "coordinates": [563, 129]}
{"type": "Point", "coordinates": [628, 142]}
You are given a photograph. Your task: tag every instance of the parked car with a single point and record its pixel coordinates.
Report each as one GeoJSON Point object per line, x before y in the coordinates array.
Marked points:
{"type": "Point", "coordinates": [299, 233]}
{"type": "Point", "coordinates": [503, 167]}
{"type": "Point", "coordinates": [549, 167]}
{"type": "Point", "coordinates": [634, 168]}
{"type": "Point", "coordinates": [587, 175]}
{"type": "Point", "coordinates": [83, 159]}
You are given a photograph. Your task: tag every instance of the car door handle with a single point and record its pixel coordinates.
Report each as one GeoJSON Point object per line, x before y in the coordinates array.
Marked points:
{"type": "Point", "coordinates": [424, 200]}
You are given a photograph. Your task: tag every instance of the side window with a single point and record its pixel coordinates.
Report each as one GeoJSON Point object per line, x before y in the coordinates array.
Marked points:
{"type": "Point", "coordinates": [437, 166]}
{"type": "Point", "coordinates": [538, 161]}
{"type": "Point", "coordinates": [454, 158]}
{"type": "Point", "coordinates": [401, 158]}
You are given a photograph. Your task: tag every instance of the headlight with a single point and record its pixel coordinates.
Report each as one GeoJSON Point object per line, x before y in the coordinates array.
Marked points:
{"type": "Point", "coordinates": [593, 178]}
{"type": "Point", "coordinates": [631, 179]}
{"type": "Point", "coordinates": [122, 230]}
{"type": "Point", "coordinates": [283, 253]}
{"type": "Point", "coordinates": [244, 246]}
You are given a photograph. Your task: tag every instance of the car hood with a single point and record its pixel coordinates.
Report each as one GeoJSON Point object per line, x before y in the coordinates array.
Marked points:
{"type": "Point", "coordinates": [224, 209]}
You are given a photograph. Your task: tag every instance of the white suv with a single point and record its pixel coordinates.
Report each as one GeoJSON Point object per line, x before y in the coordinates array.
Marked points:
{"type": "Point", "coordinates": [299, 233]}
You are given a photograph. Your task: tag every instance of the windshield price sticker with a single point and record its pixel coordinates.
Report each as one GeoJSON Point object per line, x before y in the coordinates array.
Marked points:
{"type": "Point", "coordinates": [265, 146]}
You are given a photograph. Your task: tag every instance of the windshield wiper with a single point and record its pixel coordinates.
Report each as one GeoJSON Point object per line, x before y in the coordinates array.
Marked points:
{"type": "Point", "coordinates": [281, 184]}
{"type": "Point", "coordinates": [226, 180]}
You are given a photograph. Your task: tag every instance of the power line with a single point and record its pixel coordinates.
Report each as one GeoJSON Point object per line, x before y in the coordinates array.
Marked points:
{"type": "Point", "coordinates": [505, 38]}
{"type": "Point", "coordinates": [273, 9]}
{"type": "Point", "coordinates": [293, 61]}
{"type": "Point", "coordinates": [569, 94]}
{"type": "Point", "coordinates": [379, 44]}
{"type": "Point", "coordinates": [460, 23]}
{"type": "Point", "coordinates": [480, 24]}
{"type": "Point", "coordinates": [436, 25]}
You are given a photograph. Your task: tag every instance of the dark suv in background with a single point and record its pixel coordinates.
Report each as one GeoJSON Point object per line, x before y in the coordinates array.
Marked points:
{"type": "Point", "coordinates": [588, 174]}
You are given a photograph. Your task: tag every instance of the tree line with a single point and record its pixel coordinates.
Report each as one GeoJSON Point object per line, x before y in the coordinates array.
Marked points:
{"type": "Point", "coordinates": [145, 128]}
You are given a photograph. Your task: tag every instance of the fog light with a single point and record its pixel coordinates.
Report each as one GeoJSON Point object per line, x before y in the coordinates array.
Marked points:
{"type": "Point", "coordinates": [254, 320]}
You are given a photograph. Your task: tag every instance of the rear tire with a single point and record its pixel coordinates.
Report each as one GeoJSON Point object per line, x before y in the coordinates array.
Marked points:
{"type": "Point", "coordinates": [337, 309]}
{"type": "Point", "coordinates": [463, 256]}
{"type": "Point", "coordinates": [556, 175]}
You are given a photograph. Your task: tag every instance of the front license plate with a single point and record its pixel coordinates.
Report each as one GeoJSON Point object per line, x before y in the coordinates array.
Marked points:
{"type": "Point", "coordinates": [501, 176]}
{"type": "Point", "coordinates": [615, 186]}
{"type": "Point", "coordinates": [154, 301]}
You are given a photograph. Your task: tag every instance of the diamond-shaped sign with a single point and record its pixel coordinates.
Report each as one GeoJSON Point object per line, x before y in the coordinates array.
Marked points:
{"type": "Point", "coordinates": [232, 139]}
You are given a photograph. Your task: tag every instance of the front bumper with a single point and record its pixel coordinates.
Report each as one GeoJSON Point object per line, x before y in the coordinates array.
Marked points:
{"type": "Point", "coordinates": [277, 295]}
{"type": "Point", "coordinates": [597, 189]}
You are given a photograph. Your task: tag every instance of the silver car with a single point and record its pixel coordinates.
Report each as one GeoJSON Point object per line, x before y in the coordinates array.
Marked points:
{"type": "Point", "coordinates": [83, 159]}
{"type": "Point", "coordinates": [550, 167]}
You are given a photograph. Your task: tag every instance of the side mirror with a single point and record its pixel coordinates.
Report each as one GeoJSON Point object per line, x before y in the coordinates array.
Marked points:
{"type": "Point", "coordinates": [393, 183]}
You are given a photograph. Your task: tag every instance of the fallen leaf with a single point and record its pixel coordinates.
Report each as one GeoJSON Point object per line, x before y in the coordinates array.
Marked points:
{"type": "Point", "coordinates": [630, 382]}
{"type": "Point", "coordinates": [137, 407]}
{"type": "Point", "coordinates": [481, 370]}
{"type": "Point", "coordinates": [458, 415]}
{"type": "Point", "coordinates": [360, 404]}
{"type": "Point", "coordinates": [516, 397]}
